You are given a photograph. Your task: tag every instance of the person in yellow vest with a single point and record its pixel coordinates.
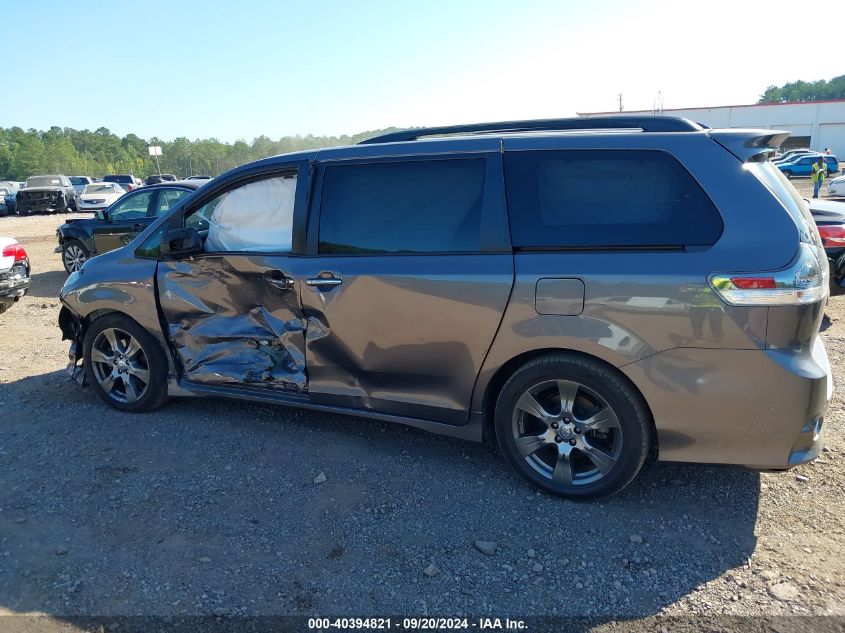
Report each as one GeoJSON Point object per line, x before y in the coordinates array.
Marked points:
{"type": "Point", "coordinates": [819, 171]}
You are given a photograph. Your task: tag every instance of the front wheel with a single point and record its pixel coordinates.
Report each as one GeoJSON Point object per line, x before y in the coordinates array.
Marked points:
{"type": "Point", "coordinates": [74, 254]}
{"type": "Point", "coordinates": [572, 426]}
{"type": "Point", "coordinates": [125, 364]}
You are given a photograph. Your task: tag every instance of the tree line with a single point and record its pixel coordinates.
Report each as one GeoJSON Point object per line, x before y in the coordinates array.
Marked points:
{"type": "Point", "coordinates": [24, 153]}
{"type": "Point", "coordinates": [802, 91]}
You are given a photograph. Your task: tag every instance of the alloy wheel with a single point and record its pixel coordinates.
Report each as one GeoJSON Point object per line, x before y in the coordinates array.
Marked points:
{"type": "Point", "coordinates": [120, 365]}
{"type": "Point", "coordinates": [566, 432]}
{"type": "Point", "coordinates": [74, 257]}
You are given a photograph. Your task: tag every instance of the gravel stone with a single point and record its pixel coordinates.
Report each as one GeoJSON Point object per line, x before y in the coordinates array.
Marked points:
{"type": "Point", "coordinates": [488, 548]}
{"type": "Point", "coordinates": [431, 570]}
{"type": "Point", "coordinates": [320, 479]}
{"type": "Point", "coordinates": [635, 538]}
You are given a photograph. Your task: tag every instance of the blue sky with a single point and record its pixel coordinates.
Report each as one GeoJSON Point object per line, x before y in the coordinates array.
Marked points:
{"type": "Point", "coordinates": [241, 69]}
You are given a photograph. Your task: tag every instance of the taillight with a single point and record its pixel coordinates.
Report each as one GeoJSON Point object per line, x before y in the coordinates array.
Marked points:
{"type": "Point", "coordinates": [832, 235]}
{"type": "Point", "coordinates": [15, 250]}
{"type": "Point", "coordinates": [805, 281]}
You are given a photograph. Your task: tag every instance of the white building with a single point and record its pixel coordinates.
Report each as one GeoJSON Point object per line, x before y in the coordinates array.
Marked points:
{"type": "Point", "coordinates": [817, 125]}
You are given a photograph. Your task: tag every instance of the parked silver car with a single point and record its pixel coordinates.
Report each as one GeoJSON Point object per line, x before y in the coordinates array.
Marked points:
{"type": "Point", "coordinates": [577, 298]}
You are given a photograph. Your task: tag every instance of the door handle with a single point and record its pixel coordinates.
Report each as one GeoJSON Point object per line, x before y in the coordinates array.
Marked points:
{"type": "Point", "coordinates": [316, 282]}
{"type": "Point", "coordinates": [280, 280]}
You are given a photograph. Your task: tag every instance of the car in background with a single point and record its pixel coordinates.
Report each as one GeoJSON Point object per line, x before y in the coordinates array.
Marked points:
{"type": "Point", "coordinates": [117, 225]}
{"type": "Point", "coordinates": [198, 178]}
{"type": "Point", "coordinates": [79, 182]}
{"type": "Point", "coordinates": [8, 200]}
{"type": "Point", "coordinates": [127, 181]}
{"type": "Point", "coordinates": [99, 195]}
{"type": "Point", "coordinates": [14, 272]}
{"type": "Point", "coordinates": [159, 178]}
{"type": "Point", "coordinates": [793, 154]}
{"type": "Point", "coordinates": [836, 186]}
{"type": "Point", "coordinates": [803, 165]}
{"type": "Point", "coordinates": [830, 220]}
{"type": "Point", "coordinates": [46, 194]}
{"type": "Point", "coordinates": [10, 184]}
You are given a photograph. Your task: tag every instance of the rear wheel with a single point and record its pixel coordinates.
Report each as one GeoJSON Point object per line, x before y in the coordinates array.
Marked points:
{"type": "Point", "coordinates": [572, 426]}
{"type": "Point", "coordinates": [787, 173]}
{"type": "Point", "coordinates": [74, 254]}
{"type": "Point", "coordinates": [125, 364]}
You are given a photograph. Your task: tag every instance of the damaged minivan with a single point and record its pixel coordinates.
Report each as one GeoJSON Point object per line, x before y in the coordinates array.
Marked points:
{"type": "Point", "coordinates": [579, 292]}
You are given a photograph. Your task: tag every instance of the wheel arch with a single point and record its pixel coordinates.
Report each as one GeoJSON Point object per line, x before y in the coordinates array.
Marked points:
{"type": "Point", "coordinates": [507, 369]}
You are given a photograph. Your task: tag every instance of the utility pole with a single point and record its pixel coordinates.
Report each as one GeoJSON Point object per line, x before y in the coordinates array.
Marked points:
{"type": "Point", "coordinates": [620, 102]}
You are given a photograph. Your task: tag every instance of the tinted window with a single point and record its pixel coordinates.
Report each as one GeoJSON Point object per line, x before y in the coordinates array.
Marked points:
{"type": "Point", "coordinates": [411, 207]}
{"type": "Point", "coordinates": [606, 198]}
{"type": "Point", "coordinates": [167, 198]}
{"type": "Point", "coordinates": [131, 207]}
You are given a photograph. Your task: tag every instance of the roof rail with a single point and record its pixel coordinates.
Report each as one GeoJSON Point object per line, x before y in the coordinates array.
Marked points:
{"type": "Point", "coordinates": [644, 123]}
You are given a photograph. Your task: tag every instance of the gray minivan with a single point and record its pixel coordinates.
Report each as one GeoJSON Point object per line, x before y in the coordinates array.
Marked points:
{"type": "Point", "coordinates": [577, 291]}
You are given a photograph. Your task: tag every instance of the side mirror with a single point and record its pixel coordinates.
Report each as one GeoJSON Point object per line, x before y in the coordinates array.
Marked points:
{"type": "Point", "coordinates": [181, 242]}
{"type": "Point", "coordinates": [101, 215]}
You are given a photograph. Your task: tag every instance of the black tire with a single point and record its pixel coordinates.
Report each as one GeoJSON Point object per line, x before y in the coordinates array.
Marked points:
{"type": "Point", "coordinates": [69, 247]}
{"type": "Point", "coordinates": [621, 450]}
{"type": "Point", "coordinates": [154, 393]}
{"type": "Point", "coordinates": [787, 173]}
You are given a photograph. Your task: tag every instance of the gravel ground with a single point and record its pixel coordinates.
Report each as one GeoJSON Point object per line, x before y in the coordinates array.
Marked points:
{"type": "Point", "coordinates": [226, 508]}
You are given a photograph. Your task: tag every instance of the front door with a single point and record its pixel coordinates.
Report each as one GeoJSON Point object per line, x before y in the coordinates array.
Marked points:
{"type": "Point", "coordinates": [410, 275]}
{"type": "Point", "coordinates": [233, 312]}
{"type": "Point", "coordinates": [127, 217]}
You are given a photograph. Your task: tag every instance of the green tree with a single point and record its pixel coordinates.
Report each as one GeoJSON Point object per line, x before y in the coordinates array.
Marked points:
{"type": "Point", "coordinates": [803, 91]}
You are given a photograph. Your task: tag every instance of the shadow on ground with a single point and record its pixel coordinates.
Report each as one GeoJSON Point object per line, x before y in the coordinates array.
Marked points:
{"type": "Point", "coordinates": [47, 284]}
{"type": "Point", "coordinates": [211, 505]}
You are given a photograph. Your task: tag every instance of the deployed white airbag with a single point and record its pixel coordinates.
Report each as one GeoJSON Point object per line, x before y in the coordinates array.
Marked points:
{"type": "Point", "coordinates": [255, 217]}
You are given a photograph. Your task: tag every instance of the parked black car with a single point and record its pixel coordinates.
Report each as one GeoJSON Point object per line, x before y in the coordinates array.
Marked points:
{"type": "Point", "coordinates": [159, 178]}
{"type": "Point", "coordinates": [50, 194]}
{"type": "Point", "coordinates": [117, 225]}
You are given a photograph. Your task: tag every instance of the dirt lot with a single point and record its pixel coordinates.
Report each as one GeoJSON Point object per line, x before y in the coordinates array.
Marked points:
{"type": "Point", "coordinates": [211, 507]}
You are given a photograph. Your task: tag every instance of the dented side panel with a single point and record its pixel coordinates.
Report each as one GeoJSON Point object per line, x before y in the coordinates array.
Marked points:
{"type": "Point", "coordinates": [235, 319]}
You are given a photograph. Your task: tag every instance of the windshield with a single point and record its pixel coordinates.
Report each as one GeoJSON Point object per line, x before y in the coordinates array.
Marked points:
{"type": "Point", "coordinates": [78, 181]}
{"type": "Point", "coordinates": [43, 181]}
{"type": "Point", "coordinates": [102, 188]}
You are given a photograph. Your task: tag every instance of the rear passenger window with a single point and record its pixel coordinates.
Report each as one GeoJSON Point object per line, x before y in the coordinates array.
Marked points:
{"type": "Point", "coordinates": [404, 207]}
{"type": "Point", "coordinates": [606, 198]}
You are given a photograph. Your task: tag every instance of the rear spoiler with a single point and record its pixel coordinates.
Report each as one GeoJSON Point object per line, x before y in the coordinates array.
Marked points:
{"type": "Point", "coordinates": [749, 145]}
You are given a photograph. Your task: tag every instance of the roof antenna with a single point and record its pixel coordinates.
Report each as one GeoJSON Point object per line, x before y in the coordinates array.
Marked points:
{"type": "Point", "coordinates": [620, 102]}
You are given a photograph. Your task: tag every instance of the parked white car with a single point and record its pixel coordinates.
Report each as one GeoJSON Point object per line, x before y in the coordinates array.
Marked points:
{"type": "Point", "coordinates": [14, 272]}
{"type": "Point", "coordinates": [99, 195]}
{"type": "Point", "coordinates": [836, 186]}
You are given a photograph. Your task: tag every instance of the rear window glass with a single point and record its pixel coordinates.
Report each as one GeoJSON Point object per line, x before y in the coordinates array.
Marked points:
{"type": "Point", "coordinates": [606, 198]}
{"type": "Point", "coordinates": [425, 206]}
{"type": "Point", "coordinates": [126, 179]}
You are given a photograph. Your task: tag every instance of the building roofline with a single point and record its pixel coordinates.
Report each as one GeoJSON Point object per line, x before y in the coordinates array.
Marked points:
{"type": "Point", "coordinates": [722, 107]}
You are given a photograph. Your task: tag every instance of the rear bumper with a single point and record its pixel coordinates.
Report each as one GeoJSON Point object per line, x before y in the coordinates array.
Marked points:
{"type": "Point", "coordinates": [759, 408]}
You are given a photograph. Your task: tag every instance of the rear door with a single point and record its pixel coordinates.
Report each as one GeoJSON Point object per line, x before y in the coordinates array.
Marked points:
{"type": "Point", "coordinates": [127, 217]}
{"type": "Point", "coordinates": [409, 274]}
{"type": "Point", "coordinates": [233, 312]}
